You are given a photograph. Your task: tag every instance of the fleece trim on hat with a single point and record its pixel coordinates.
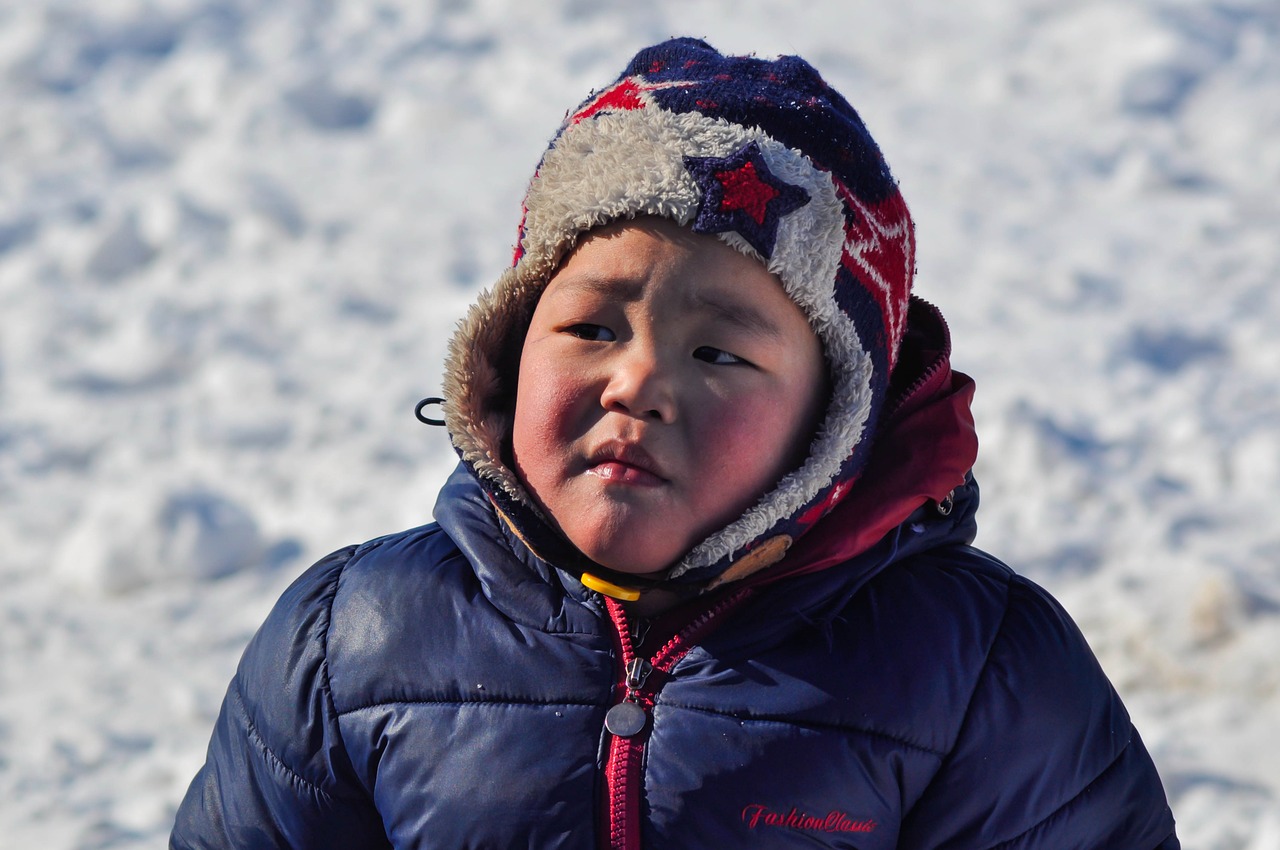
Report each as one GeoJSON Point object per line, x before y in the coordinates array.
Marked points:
{"type": "Point", "coordinates": [624, 153]}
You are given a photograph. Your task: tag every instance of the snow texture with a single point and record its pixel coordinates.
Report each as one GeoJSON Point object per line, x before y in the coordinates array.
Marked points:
{"type": "Point", "coordinates": [235, 236]}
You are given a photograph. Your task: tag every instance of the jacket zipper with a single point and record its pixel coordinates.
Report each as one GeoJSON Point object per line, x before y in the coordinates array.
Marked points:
{"type": "Point", "coordinates": [628, 721]}
{"type": "Point", "coordinates": [893, 405]}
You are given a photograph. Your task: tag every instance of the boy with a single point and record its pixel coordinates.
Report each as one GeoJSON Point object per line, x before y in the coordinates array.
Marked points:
{"type": "Point", "coordinates": [703, 577]}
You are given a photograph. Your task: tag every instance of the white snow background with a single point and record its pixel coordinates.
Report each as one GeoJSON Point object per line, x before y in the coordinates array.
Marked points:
{"type": "Point", "coordinates": [235, 237]}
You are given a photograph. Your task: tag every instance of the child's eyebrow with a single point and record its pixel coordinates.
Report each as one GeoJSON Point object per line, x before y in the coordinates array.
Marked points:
{"type": "Point", "coordinates": [739, 313]}
{"type": "Point", "coordinates": [736, 312]}
{"type": "Point", "coordinates": [612, 288]}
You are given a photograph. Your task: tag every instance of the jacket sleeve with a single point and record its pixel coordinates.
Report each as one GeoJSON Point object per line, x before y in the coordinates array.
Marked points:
{"type": "Point", "coordinates": [277, 774]}
{"type": "Point", "coordinates": [1046, 757]}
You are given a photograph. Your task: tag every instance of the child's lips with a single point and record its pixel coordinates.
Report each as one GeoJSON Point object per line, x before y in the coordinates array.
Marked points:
{"type": "Point", "coordinates": [615, 472]}
{"type": "Point", "coordinates": [625, 463]}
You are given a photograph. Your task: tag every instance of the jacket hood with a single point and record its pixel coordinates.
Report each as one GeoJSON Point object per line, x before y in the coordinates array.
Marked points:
{"type": "Point", "coordinates": [923, 451]}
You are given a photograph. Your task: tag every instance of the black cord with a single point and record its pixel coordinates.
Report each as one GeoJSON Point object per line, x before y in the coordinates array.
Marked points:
{"type": "Point", "coordinates": [427, 402]}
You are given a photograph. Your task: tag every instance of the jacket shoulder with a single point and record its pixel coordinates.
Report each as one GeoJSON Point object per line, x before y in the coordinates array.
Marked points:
{"type": "Point", "coordinates": [283, 681]}
{"type": "Point", "coordinates": [277, 773]}
{"type": "Point", "coordinates": [1044, 753]}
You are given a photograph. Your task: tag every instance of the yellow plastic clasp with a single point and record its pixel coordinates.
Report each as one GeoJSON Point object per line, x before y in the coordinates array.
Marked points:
{"type": "Point", "coordinates": [608, 588]}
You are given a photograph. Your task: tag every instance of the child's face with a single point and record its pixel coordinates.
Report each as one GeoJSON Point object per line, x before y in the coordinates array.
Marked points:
{"type": "Point", "coordinates": [666, 382]}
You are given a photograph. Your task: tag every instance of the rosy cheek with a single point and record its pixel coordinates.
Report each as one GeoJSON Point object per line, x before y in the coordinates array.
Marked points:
{"type": "Point", "coordinates": [755, 440]}
{"type": "Point", "coordinates": [548, 410]}
{"type": "Point", "coordinates": [725, 431]}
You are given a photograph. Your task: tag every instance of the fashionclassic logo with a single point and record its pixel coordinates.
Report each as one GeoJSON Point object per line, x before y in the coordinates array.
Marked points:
{"type": "Point", "coordinates": [757, 815]}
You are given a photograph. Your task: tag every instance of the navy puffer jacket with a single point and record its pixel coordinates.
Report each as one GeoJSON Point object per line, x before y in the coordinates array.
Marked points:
{"type": "Point", "coordinates": [443, 688]}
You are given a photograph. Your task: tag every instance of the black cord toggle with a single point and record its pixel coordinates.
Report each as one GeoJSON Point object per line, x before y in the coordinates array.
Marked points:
{"type": "Point", "coordinates": [427, 402]}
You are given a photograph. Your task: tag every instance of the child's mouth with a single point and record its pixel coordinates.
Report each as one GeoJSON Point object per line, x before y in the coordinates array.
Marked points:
{"type": "Point", "coordinates": [625, 463]}
{"type": "Point", "coordinates": [618, 472]}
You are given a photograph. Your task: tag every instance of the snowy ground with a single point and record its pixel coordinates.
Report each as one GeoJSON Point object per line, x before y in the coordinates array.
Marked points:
{"type": "Point", "coordinates": [234, 238]}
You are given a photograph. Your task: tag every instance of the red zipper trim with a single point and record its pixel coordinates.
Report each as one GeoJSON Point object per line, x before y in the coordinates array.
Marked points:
{"type": "Point", "coordinates": [623, 774]}
{"type": "Point", "coordinates": [941, 361]}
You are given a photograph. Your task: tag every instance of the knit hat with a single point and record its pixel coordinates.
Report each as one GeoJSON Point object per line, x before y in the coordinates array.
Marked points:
{"type": "Point", "coordinates": [765, 156]}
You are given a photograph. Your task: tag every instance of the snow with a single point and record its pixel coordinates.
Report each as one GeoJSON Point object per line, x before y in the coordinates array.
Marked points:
{"type": "Point", "coordinates": [235, 237]}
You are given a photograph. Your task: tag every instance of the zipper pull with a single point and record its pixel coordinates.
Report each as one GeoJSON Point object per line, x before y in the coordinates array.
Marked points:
{"type": "Point", "coordinates": [637, 671]}
{"type": "Point", "coordinates": [628, 717]}
{"type": "Point", "coordinates": [639, 631]}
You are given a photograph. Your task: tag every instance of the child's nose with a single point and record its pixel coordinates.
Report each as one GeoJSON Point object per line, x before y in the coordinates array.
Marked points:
{"type": "Point", "coordinates": [641, 385]}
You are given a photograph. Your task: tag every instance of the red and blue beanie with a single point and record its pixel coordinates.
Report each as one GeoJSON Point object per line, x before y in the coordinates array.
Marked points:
{"type": "Point", "coordinates": [764, 155]}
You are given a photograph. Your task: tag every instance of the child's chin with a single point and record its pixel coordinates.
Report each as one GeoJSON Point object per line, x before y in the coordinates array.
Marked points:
{"type": "Point", "coordinates": [626, 560]}
{"type": "Point", "coordinates": [625, 537]}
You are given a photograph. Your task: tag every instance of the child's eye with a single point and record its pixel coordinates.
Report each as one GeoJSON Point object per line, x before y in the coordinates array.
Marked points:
{"type": "Point", "coordinates": [717, 357]}
{"type": "Point", "coordinates": [590, 332]}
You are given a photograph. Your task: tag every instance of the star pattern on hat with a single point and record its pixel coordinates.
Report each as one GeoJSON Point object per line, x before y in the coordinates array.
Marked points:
{"type": "Point", "coordinates": [741, 194]}
{"type": "Point", "coordinates": [625, 95]}
{"type": "Point", "coordinates": [879, 250]}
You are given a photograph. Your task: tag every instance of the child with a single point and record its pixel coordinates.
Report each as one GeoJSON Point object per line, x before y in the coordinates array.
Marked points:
{"type": "Point", "coordinates": [703, 577]}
